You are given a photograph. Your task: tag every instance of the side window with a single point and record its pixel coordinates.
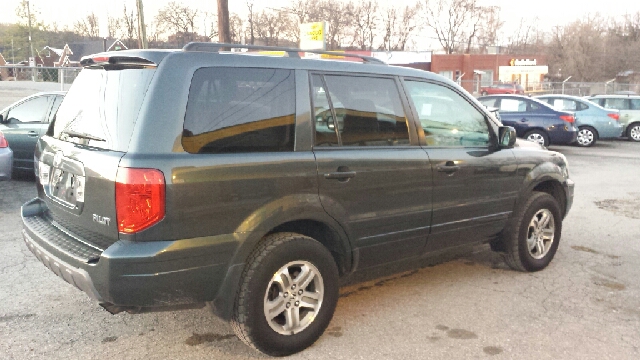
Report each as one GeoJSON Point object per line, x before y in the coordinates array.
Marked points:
{"type": "Point", "coordinates": [233, 110]}
{"type": "Point", "coordinates": [448, 119]}
{"type": "Point", "coordinates": [581, 106]}
{"type": "Point", "coordinates": [513, 105]}
{"type": "Point", "coordinates": [326, 134]}
{"type": "Point", "coordinates": [491, 102]}
{"type": "Point", "coordinates": [368, 111]}
{"type": "Point", "coordinates": [30, 111]}
{"type": "Point", "coordinates": [54, 108]}
{"type": "Point", "coordinates": [564, 104]}
{"type": "Point", "coordinates": [615, 103]}
{"type": "Point", "coordinates": [533, 106]}
{"type": "Point", "coordinates": [635, 104]}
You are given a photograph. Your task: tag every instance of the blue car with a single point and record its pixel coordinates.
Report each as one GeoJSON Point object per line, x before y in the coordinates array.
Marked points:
{"type": "Point", "coordinates": [594, 122]}
{"type": "Point", "coordinates": [6, 158]}
{"type": "Point", "coordinates": [533, 119]}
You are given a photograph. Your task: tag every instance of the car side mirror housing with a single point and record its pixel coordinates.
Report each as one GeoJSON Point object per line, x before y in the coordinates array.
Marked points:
{"type": "Point", "coordinates": [506, 137]}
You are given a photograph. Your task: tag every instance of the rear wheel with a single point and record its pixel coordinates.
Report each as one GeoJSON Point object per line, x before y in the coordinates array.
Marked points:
{"type": "Point", "coordinates": [288, 294]}
{"type": "Point", "coordinates": [587, 136]}
{"type": "Point", "coordinates": [531, 239]}
{"type": "Point", "coordinates": [633, 132]}
{"type": "Point", "coordinates": [537, 136]}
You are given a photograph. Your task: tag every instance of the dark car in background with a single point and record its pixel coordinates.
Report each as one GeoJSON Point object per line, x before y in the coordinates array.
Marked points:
{"type": "Point", "coordinates": [533, 119]}
{"type": "Point", "coordinates": [25, 121]}
{"type": "Point", "coordinates": [506, 88]}
{"type": "Point", "coordinates": [6, 158]}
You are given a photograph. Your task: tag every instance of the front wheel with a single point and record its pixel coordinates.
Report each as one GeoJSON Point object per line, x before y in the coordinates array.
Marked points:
{"type": "Point", "coordinates": [537, 136]}
{"type": "Point", "coordinates": [531, 239]}
{"type": "Point", "coordinates": [633, 131]}
{"type": "Point", "coordinates": [288, 294]}
{"type": "Point", "coordinates": [586, 136]}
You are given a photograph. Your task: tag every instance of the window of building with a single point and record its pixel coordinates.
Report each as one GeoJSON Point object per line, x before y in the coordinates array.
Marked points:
{"type": "Point", "coordinates": [447, 74]}
{"type": "Point", "coordinates": [487, 78]}
{"type": "Point", "coordinates": [240, 110]}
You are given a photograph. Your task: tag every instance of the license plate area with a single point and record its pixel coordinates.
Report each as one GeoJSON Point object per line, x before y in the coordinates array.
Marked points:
{"type": "Point", "coordinates": [64, 186]}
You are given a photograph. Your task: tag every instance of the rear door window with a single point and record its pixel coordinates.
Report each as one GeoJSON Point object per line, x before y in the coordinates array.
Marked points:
{"type": "Point", "coordinates": [513, 105]}
{"type": "Point", "coordinates": [615, 103]}
{"type": "Point", "coordinates": [368, 111]}
{"type": "Point", "coordinates": [635, 104]}
{"type": "Point", "coordinates": [234, 110]}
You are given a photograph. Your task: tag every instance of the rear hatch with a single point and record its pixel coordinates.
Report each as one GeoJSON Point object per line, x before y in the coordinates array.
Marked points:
{"type": "Point", "coordinates": [77, 161]}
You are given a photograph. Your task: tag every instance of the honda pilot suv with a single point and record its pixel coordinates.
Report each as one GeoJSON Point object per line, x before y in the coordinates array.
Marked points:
{"type": "Point", "coordinates": [252, 183]}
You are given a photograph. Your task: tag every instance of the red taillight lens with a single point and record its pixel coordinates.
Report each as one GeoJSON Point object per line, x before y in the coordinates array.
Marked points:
{"type": "Point", "coordinates": [614, 116]}
{"type": "Point", "coordinates": [100, 59]}
{"type": "Point", "coordinates": [567, 118]}
{"type": "Point", "coordinates": [140, 198]}
{"type": "Point", "coordinates": [3, 141]}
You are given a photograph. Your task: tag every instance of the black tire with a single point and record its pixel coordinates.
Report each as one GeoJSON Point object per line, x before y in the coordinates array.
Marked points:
{"type": "Point", "coordinates": [535, 133]}
{"type": "Point", "coordinates": [633, 131]}
{"type": "Point", "coordinates": [514, 237]}
{"type": "Point", "coordinates": [587, 136]}
{"type": "Point", "coordinates": [274, 253]}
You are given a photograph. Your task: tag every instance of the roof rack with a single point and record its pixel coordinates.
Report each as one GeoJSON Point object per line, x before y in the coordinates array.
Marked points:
{"type": "Point", "coordinates": [291, 52]}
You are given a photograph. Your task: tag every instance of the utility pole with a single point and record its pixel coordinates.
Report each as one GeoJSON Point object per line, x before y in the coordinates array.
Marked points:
{"type": "Point", "coordinates": [142, 29]}
{"type": "Point", "coordinates": [224, 35]}
{"type": "Point", "coordinates": [33, 72]}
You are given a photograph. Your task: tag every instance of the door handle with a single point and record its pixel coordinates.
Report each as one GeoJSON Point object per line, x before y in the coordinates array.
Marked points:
{"type": "Point", "coordinates": [449, 167]}
{"type": "Point", "coordinates": [32, 133]}
{"type": "Point", "coordinates": [340, 175]}
{"type": "Point", "coordinates": [523, 120]}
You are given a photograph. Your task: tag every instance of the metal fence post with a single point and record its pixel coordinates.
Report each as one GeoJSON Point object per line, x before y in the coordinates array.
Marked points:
{"type": "Point", "coordinates": [61, 78]}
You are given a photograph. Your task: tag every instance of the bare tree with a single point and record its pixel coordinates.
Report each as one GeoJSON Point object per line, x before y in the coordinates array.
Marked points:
{"type": "Point", "coordinates": [365, 18]}
{"type": "Point", "coordinates": [89, 26]}
{"type": "Point", "coordinates": [252, 37]}
{"type": "Point", "coordinates": [449, 19]}
{"type": "Point", "coordinates": [114, 27]}
{"type": "Point", "coordinates": [270, 26]}
{"type": "Point", "coordinates": [175, 18]}
{"type": "Point", "coordinates": [488, 34]}
{"type": "Point", "coordinates": [129, 27]}
{"type": "Point", "coordinates": [398, 27]}
{"type": "Point", "coordinates": [235, 28]}
{"type": "Point", "coordinates": [338, 16]}
{"type": "Point", "coordinates": [210, 25]}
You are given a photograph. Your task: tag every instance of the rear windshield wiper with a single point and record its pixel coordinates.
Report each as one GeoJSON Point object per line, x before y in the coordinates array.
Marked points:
{"type": "Point", "coordinates": [72, 133]}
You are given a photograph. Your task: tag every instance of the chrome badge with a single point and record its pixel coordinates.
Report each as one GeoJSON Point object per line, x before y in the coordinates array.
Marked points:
{"type": "Point", "coordinates": [102, 220]}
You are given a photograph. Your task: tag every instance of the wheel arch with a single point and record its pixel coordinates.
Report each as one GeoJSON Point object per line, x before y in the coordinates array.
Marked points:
{"type": "Point", "coordinates": [629, 125]}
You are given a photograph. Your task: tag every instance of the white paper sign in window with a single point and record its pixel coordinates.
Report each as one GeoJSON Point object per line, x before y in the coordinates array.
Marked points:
{"type": "Point", "coordinates": [426, 110]}
{"type": "Point", "coordinates": [513, 105]}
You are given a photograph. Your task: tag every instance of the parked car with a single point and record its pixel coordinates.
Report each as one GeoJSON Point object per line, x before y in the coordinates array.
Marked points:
{"type": "Point", "coordinates": [506, 88]}
{"type": "Point", "coordinates": [25, 121]}
{"type": "Point", "coordinates": [533, 119]}
{"type": "Point", "coordinates": [171, 179]}
{"type": "Point", "coordinates": [629, 107]}
{"type": "Point", "coordinates": [6, 158]}
{"type": "Point", "coordinates": [593, 121]}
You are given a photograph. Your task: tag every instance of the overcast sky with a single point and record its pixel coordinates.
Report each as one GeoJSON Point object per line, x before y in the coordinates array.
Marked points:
{"type": "Point", "coordinates": [549, 12]}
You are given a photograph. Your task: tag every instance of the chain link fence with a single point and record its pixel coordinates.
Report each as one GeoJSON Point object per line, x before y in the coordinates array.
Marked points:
{"type": "Point", "coordinates": [62, 75]}
{"type": "Point", "coordinates": [568, 88]}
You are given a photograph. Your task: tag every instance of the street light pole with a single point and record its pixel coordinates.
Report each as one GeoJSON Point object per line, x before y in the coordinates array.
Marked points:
{"type": "Point", "coordinates": [142, 29]}
{"type": "Point", "coordinates": [33, 74]}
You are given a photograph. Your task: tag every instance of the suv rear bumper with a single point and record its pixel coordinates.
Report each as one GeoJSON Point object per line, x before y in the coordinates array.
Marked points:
{"type": "Point", "coordinates": [132, 274]}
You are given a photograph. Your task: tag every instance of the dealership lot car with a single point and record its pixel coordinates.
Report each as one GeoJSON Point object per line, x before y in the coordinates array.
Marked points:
{"type": "Point", "coordinates": [25, 121]}
{"type": "Point", "coordinates": [505, 88]}
{"type": "Point", "coordinates": [533, 119]}
{"type": "Point", "coordinates": [6, 158]}
{"type": "Point", "coordinates": [178, 178]}
{"type": "Point", "coordinates": [593, 121]}
{"type": "Point", "coordinates": [629, 107]}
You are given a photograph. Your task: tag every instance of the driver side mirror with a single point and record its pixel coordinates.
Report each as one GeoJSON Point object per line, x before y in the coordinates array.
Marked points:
{"type": "Point", "coordinates": [506, 137]}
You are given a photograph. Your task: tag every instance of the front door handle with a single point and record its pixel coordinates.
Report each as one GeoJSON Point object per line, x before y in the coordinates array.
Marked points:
{"type": "Point", "coordinates": [449, 167]}
{"type": "Point", "coordinates": [32, 133]}
{"type": "Point", "coordinates": [523, 120]}
{"type": "Point", "coordinates": [342, 174]}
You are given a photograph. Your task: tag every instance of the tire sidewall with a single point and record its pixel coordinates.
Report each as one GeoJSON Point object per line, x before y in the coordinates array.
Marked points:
{"type": "Point", "coordinates": [265, 338]}
{"type": "Point", "coordinates": [543, 202]}
{"type": "Point", "coordinates": [541, 133]}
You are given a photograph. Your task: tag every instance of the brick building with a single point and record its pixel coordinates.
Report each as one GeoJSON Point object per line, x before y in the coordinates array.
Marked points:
{"type": "Point", "coordinates": [476, 70]}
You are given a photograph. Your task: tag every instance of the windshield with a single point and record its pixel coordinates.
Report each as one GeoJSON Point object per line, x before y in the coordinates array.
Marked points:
{"type": "Point", "coordinates": [103, 107]}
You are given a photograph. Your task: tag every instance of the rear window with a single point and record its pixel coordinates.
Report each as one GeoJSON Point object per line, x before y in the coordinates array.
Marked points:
{"type": "Point", "coordinates": [234, 110]}
{"type": "Point", "coordinates": [103, 106]}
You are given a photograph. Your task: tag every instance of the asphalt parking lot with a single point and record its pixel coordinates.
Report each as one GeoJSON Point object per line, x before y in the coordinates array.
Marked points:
{"type": "Point", "coordinates": [585, 305]}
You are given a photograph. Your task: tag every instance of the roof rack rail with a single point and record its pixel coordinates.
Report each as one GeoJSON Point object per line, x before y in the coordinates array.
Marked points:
{"type": "Point", "coordinates": [291, 52]}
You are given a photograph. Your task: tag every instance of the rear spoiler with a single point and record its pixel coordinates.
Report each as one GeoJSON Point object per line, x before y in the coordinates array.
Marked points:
{"type": "Point", "coordinates": [116, 62]}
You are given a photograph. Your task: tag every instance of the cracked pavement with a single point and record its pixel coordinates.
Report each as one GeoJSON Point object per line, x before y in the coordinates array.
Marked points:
{"type": "Point", "coordinates": [585, 305]}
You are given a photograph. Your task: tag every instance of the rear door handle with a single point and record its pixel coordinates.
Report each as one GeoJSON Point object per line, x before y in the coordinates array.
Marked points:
{"type": "Point", "coordinates": [32, 133]}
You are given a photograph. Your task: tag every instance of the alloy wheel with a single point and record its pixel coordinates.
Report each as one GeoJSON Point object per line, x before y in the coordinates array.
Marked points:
{"type": "Point", "coordinates": [293, 297]}
{"type": "Point", "coordinates": [634, 133]}
{"type": "Point", "coordinates": [540, 233]}
{"type": "Point", "coordinates": [535, 137]}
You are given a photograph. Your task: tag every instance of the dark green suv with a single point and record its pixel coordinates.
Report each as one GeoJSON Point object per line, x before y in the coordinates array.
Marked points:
{"type": "Point", "coordinates": [251, 182]}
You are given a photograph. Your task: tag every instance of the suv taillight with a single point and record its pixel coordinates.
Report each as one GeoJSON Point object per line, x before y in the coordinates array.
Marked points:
{"type": "Point", "coordinates": [567, 118]}
{"type": "Point", "coordinates": [3, 141]}
{"type": "Point", "coordinates": [140, 198]}
{"type": "Point", "coordinates": [614, 116]}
